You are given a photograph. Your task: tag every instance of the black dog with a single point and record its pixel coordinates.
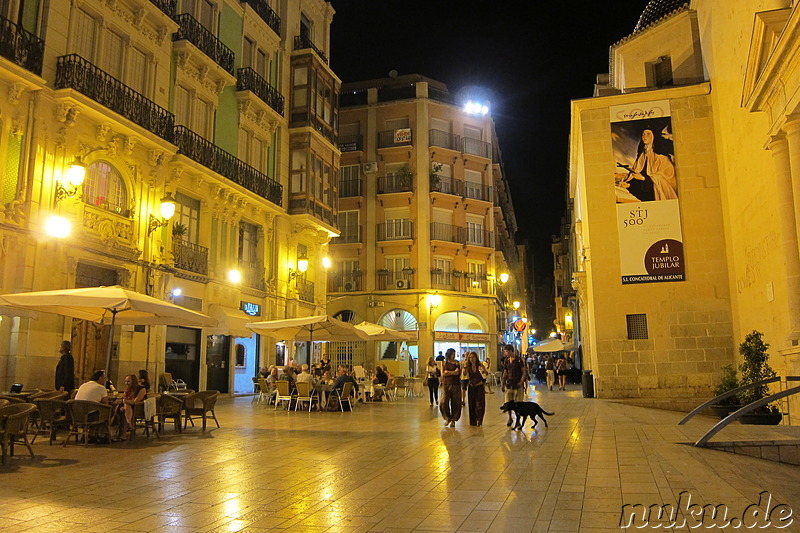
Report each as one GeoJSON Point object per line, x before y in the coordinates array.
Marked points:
{"type": "Point", "coordinates": [523, 410]}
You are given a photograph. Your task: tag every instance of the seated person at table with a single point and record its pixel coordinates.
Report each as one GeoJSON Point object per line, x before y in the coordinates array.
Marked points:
{"type": "Point", "coordinates": [381, 378]}
{"type": "Point", "coordinates": [304, 376]}
{"type": "Point", "coordinates": [326, 378]}
{"type": "Point", "coordinates": [263, 373]}
{"type": "Point", "coordinates": [343, 377]}
{"type": "Point", "coordinates": [288, 375]}
{"type": "Point", "coordinates": [144, 380]}
{"type": "Point", "coordinates": [134, 393]}
{"type": "Point", "coordinates": [317, 371]}
{"type": "Point", "coordinates": [94, 390]}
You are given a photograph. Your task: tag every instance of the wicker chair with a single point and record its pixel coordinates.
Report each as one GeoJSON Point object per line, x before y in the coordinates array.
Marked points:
{"type": "Point", "coordinates": [12, 399]}
{"type": "Point", "coordinates": [52, 416]}
{"type": "Point", "coordinates": [140, 418]}
{"type": "Point", "coordinates": [14, 427]}
{"type": "Point", "coordinates": [169, 407]}
{"type": "Point", "coordinates": [207, 400]}
{"type": "Point", "coordinates": [85, 417]}
{"type": "Point", "coordinates": [4, 402]}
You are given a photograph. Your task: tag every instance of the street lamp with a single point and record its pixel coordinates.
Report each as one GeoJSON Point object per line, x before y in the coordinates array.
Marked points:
{"type": "Point", "coordinates": [74, 176]}
{"type": "Point", "coordinates": [167, 209]}
{"type": "Point", "coordinates": [234, 276]}
{"type": "Point", "coordinates": [516, 304]}
{"type": "Point", "coordinates": [302, 266]}
{"type": "Point", "coordinates": [504, 277]}
{"type": "Point", "coordinates": [56, 226]}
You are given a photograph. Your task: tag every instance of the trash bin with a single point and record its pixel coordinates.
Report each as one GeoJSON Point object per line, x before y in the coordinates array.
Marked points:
{"type": "Point", "coordinates": [588, 384]}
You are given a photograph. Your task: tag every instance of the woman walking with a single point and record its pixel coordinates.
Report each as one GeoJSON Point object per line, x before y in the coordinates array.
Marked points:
{"type": "Point", "coordinates": [432, 373]}
{"type": "Point", "coordinates": [451, 390]}
{"type": "Point", "coordinates": [476, 391]}
{"type": "Point", "coordinates": [561, 372]}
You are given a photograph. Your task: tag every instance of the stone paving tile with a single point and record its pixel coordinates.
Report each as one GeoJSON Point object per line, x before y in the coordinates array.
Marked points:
{"type": "Point", "coordinates": [389, 467]}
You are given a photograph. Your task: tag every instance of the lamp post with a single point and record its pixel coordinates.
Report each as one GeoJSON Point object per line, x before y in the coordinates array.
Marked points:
{"type": "Point", "coordinates": [167, 209]}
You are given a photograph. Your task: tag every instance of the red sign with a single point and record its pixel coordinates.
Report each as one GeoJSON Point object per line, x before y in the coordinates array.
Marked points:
{"type": "Point", "coordinates": [520, 325]}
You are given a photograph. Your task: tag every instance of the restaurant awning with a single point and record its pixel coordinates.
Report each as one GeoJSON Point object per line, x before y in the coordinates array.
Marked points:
{"type": "Point", "coordinates": [230, 321]}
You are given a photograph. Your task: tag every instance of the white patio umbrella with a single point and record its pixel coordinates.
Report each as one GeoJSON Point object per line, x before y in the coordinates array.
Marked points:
{"type": "Point", "coordinates": [554, 345]}
{"type": "Point", "coordinates": [317, 328]}
{"type": "Point", "coordinates": [109, 306]}
{"type": "Point", "coordinates": [376, 332]}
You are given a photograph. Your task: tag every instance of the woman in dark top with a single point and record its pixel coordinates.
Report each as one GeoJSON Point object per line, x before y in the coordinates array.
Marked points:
{"type": "Point", "coordinates": [451, 389]}
{"type": "Point", "coordinates": [381, 377]}
{"type": "Point", "coordinates": [144, 380]}
{"type": "Point", "coordinates": [475, 390]}
{"type": "Point", "coordinates": [432, 373]}
{"type": "Point", "coordinates": [65, 370]}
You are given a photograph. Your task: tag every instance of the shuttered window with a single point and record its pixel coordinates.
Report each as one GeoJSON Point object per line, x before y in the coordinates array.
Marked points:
{"type": "Point", "coordinates": [84, 35]}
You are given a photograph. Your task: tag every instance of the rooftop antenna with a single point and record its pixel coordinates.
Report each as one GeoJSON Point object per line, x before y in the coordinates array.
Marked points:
{"type": "Point", "coordinates": [393, 74]}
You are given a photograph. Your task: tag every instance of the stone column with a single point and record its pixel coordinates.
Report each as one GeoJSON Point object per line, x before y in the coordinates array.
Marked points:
{"type": "Point", "coordinates": [787, 167]}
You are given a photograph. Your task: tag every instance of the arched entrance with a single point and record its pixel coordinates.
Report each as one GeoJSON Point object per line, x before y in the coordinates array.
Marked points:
{"type": "Point", "coordinates": [464, 332]}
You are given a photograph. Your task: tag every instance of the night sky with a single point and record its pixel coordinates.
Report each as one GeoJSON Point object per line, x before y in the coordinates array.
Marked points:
{"type": "Point", "coordinates": [532, 56]}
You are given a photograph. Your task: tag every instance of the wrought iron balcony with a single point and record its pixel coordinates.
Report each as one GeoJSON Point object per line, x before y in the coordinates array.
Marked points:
{"type": "Point", "coordinates": [395, 183]}
{"type": "Point", "coordinates": [74, 72]}
{"type": "Point", "coordinates": [391, 138]}
{"type": "Point", "coordinates": [190, 256]}
{"type": "Point", "coordinates": [266, 13]}
{"type": "Point", "coordinates": [445, 139]}
{"type": "Point", "coordinates": [395, 230]}
{"type": "Point", "coordinates": [477, 147]}
{"type": "Point", "coordinates": [349, 234]}
{"type": "Point", "coordinates": [253, 274]}
{"type": "Point", "coordinates": [446, 185]}
{"type": "Point", "coordinates": [248, 79]}
{"type": "Point", "coordinates": [301, 43]}
{"type": "Point", "coordinates": [445, 232]}
{"type": "Point", "coordinates": [168, 7]}
{"type": "Point", "coordinates": [350, 143]}
{"type": "Point", "coordinates": [215, 158]}
{"type": "Point", "coordinates": [21, 47]}
{"type": "Point", "coordinates": [197, 34]}
{"type": "Point", "coordinates": [303, 204]}
{"type": "Point", "coordinates": [477, 191]}
{"type": "Point", "coordinates": [476, 237]}
{"type": "Point", "coordinates": [344, 281]}
{"type": "Point", "coordinates": [305, 290]}
{"type": "Point", "coordinates": [350, 188]}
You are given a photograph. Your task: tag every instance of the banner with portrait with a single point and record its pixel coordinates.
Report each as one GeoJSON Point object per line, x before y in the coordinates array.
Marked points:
{"type": "Point", "coordinates": [646, 189]}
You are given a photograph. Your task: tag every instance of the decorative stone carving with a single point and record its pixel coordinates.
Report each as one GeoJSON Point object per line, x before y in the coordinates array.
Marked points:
{"type": "Point", "coordinates": [17, 128]}
{"type": "Point", "coordinates": [15, 91]}
{"type": "Point", "coordinates": [155, 158]}
{"type": "Point", "coordinates": [113, 146]}
{"type": "Point", "coordinates": [124, 277]}
{"type": "Point", "coordinates": [220, 87]}
{"type": "Point", "coordinates": [181, 59]}
{"type": "Point", "coordinates": [130, 143]}
{"type": "Point", "coordinates": [202, 72]}
{"type": "Point", "coordinates": [138, 16]}
{"type": "Point", "coordinates": [67, 113]}
{"type": "Point", "coordinates": [197, 181]}
{"type": "Point", "coordinates": [161, 35]}
{"type": "Point", "coordinates": [101, 131]}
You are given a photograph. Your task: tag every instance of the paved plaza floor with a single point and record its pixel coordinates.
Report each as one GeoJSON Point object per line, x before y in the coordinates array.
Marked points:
{"type": "Point", "coordinates": [390, 467]}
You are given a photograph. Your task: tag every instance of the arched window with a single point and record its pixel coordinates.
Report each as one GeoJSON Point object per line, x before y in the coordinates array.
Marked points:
{"type": "Point", "coordinates": [459, 321]}
{"type": "Point", "coordinates": [105, 188]}
{"type": "Point", "coordinates": [399, 320]}
{"type": "Point", "coordinates": [346, 315]}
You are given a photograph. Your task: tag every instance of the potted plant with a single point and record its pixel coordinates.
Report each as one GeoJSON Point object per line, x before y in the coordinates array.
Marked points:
{"type": "Point", "coordinates": [383, 271]}
{"type": "Point", "coordinates": [457, 273]}
{"type": "Point", "coordinates": [756, 368]}
{"type": "Point", "coordinates": [436, 179]}
{"type": "Point", "coordinates": [179, 230]}
{"type": "Point", "coordinates": [408, 271]}
{"type": "Point", "coordinates": [404, 177]}
{"type": "Point", "coordinates": [727, 383]}
{"type": "Point", "coordinates": [436, 271]}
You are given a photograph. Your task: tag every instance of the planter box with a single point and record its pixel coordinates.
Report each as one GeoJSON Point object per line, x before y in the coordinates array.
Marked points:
{"type": "Point", "coordinates": [723, 410]}
{"type": "Point", "coordinates": [761, 419]}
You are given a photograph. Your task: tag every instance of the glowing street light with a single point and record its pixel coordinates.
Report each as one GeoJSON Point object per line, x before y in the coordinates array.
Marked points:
{"type": "Point", "coordinates": [56, 226]}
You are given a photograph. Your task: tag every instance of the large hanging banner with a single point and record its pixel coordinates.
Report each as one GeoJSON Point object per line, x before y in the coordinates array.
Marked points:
{"type": "Point", "coordinates": [646, 186]}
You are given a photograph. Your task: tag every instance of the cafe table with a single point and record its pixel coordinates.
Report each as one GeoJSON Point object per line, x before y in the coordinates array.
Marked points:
{"type": "Point", "coordinates": [324, 392]}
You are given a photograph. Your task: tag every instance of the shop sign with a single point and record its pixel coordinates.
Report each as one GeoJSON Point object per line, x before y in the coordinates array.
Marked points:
{"type": "Point", "coordinates": [520, 325]}
{"type": "Point", "coordinates": [251, 308]}
{"type": "Point", "coordinates": [464, 337]}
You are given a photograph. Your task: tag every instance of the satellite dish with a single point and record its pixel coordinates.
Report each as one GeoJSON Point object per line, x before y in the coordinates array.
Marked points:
{"type": "Point", "coordinates": [393, 74]}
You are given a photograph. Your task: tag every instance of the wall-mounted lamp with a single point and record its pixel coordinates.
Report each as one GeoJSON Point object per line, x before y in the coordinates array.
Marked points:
{"type": "Point", "coordinates": [434, 300]}
{"type": "Point", "coordinates": [516, 304]}
{"type": "Point", "coordinates": [74, 177]}
{"type": "Point", "coordinates": [234, 276]}
{"type": "Point", "coordinates": [167, 212]}
{"type": "Point", "coordinates": [302, 266]}
{"type": "Point", "coordinates": [504, 277]}
{"type": "Point", "coordinates": [58, 227]}
{"type": "Point", "coordinates": [176, 292]}
{"type": "Point", "coordinates": [326, 262]}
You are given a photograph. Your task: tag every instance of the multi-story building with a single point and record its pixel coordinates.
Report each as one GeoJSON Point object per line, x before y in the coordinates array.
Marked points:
{"type": "Point", "coordinates": [225, 109]}
{"type": "Point", "coordinates": [425, 219]}
{"type": "Point", "coordinates": [684, 175]}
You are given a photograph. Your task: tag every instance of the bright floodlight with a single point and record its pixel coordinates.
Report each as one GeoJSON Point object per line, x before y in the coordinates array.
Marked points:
{"type": "Point", "coordinates": [326, 262]}
{"type": "Point", "coordinates": [516, 304]}
{"type": "Point", "coordinates": [58, 227]}
{"type": "Point", "coordinates": [176, 292]}
{"type": "Point", "coordinates": [234, 276]}
{"type": "Point", "coordinates": [504, 277]}
{"type": "Point", "coordinates": [434, 300]}
{"type": "Point", "coordinates": [475, 108]}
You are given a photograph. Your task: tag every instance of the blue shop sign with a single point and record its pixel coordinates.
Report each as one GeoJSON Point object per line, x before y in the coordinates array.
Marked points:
{"type": "Point", "coordinates": [251, 309]}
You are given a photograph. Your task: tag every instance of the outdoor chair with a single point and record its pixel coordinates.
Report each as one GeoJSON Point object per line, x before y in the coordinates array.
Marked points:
{"type": "Point", "coordinates": [4, 402]}
{"type": "Point", "coordinates": [283, 394]}
{"type": "Point", "coordinates": [87, 417]}
{"type": "Point", "coordinates": [144, 415]}
{"type": "Point", "coordinates": [47, 394]}
{"type": "Point", "coordinates": [265, 393]}
{"type": "Point", "coordinates": [207, 400]}
{"type": "Point", "coordinates": [400, 383]}
{"type": "Point", "coordinates": [345, 395]}
{"type": "Point", "coordinates": [52, 416]}
{"type": "Point", "coordinates": [167, 383]}
{"type": "Point", "coordinates": [256, 390]}
{"type": "Point", "coordinates": [169, 407]}
{"type": "Point", "coordinates": [14, 427]}
{"type": "Point", "coordinates": [305, 394]}
{"type": "Point", "coordinates": [12, 399]}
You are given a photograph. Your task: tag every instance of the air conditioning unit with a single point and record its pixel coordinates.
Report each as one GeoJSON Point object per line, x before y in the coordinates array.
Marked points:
{"type": "Point", "coordinates": [369, 168]}
{"type": "Point", "coordinates": [349, 286]}
{"type": "Point", "coordinates": [402, 284]}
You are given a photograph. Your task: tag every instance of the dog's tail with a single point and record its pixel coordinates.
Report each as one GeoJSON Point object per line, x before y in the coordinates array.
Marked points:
{"type": "Point", "coordinates": [548, 414]}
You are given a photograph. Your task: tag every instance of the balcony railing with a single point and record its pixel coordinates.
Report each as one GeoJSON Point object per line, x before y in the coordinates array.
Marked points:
{"type": "Point", "coordinates": [441, 279]}
{"type": "Point", "coordinates": [349, 234]}
{"type": "Point", "coordinates": [441, 96]}
{"type": "Point", "coordinates": [253, 275]}
{"type": "Point", "coordinates": [350, 188]}
{"type": "Point", "coordinates": [395, 230]}
{"type": "Point", "coordinates": [215, 158]}
{"type": "Point", "coordinates": [74, 72]}
{"type": "Point", "coordinates": [477, 191]}
{"type": "Point", "coordinates": [21, 47]}
{"type": "Point", "coordinates": [472, 284]}
{"type": "Point", "coordinates": [197, 34]}
{"type": "Point", "coordinates": [445, 232]}
{"type": "Point", "coordinates": [266, 13]}
{"type": "Point", "coordinates": [477, 147]}
{"type": "Point", "coordinates": [390, 138]}
{"type": "Point", "coordinates": [389, 280]}
{"type": "Point", "coordinates": [395, 183]}
{"type": "Point", "coordinates": [344, 282]}
{"type": "Point", "coordinates": [248, 79]}
{"type": "Point", "coordinates": [350, 143]}
{"type": "Point", "coordinates": [305, 290]}
{"type": "Point", "coordinates": [476, 237]}
{"type": "Point", "coordinates": [353, 98]}
{"type": "Point", "coordinates": [305, 205]}
{"type": "Point", "coordinates": [190, 256]}
{"type": "Point", "coordinates": [168, 7]}
{"type": "Point", "coordinates": [388, 94]}
{"type": "Point", "coordinates": [445, 139]}
{"type": "Point", "coordinates": [301, 43]}
{"type": "Point", "coordinates": [445, 185]}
